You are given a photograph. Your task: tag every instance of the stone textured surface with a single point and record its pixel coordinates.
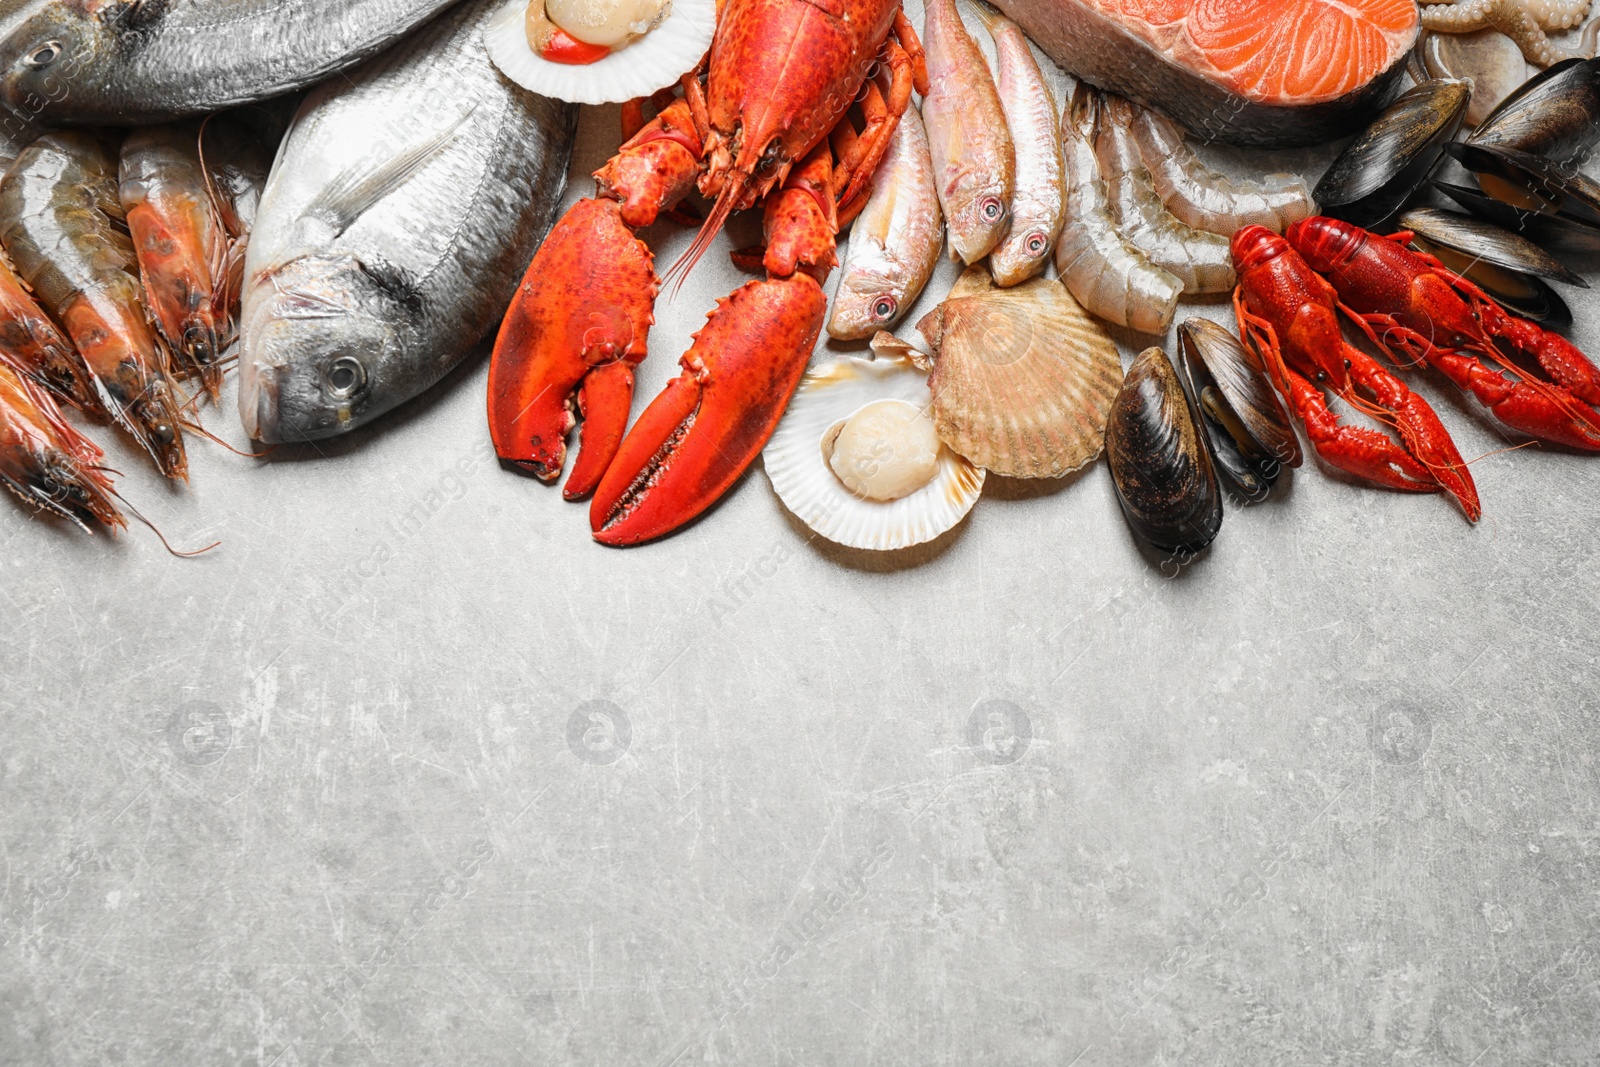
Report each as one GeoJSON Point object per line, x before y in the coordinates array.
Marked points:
{"type": "Point", "coordinates": [409, 771]}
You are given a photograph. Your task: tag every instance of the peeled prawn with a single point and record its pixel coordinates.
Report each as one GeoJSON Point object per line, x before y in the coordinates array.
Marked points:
{"type": "Point", "coordinates": [1200, 260]}
{"type": "Point", "coordinates": [49, 465]}
{"type": "Point", "coordinates": [1206, 200]}
{"type": "Point", "coordinates": [1103, 271]}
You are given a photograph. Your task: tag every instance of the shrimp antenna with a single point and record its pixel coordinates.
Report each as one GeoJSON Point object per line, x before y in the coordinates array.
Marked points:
{"type": "Point", "coordinates": [164, 542]}
{"type": "Point", "coordinates": [208, 435]}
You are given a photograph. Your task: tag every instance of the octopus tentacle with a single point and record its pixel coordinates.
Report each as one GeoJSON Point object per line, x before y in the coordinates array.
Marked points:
{"type": "Point", "coordinates": [1524, 21]}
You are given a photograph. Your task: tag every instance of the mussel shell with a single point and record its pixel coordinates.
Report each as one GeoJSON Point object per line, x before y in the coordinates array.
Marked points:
{"type": "Point", "coordinates": [1161, 460]}
{"type": "Point", "coordinates": [1555, 113]}
{"type": "Point", "coordinates": [1247, 427]}
{"type": "Point", "coordinates": [1487, 242]}
{"type": "Point", "coordinates": [1238, 373]}
{"type": "Point", "coordinates": [1543, 185]}
{"type": "Point", "coordinates": [1522, 294]}
{"type": "Point", "coordinates": [1378, 171]}
{"type": "Point", "coordinates": [1556, 233]}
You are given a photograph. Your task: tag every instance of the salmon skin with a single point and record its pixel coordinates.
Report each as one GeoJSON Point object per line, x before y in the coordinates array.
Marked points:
{"type": "Point", "coordinates": [1272, 73]}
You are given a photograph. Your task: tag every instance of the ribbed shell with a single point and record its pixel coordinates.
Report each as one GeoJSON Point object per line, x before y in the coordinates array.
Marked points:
{"type": "Point", "coordinates": [801, 477]}
{"type": "Point", "coordinates": [1023, 378]}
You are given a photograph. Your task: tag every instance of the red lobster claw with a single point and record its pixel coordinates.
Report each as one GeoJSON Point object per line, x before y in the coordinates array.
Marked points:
{"type": "Point", "coordinates": [706, 427]}
{"type": "Point", "coordinates": [576, 329]}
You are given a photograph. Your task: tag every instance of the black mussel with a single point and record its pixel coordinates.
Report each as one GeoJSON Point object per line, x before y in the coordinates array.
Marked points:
{"type": "Point", "coordinates": [1250, 434]}
{"type": "Point", "coordinates": [1487, 242]}
{"type": "Point", "coordinates": [1555, 114]}
{"type": "Point", "coordinates": [1530, 182]}
{"type": "Point", "coordinates": [1161, 461]}
{"type": "Point", "coordinates": [1557, 233]}
{"type": "Point", "coordinates": [1378, 171]}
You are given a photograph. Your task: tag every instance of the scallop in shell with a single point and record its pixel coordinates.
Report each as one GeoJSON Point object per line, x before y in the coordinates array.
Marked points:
{"type": "Point", "coordinates": [659, 50]}
{"type": "Point", "coordinates": [858, 429]}
{"type": "Point", "coordinates": [1023, 379]}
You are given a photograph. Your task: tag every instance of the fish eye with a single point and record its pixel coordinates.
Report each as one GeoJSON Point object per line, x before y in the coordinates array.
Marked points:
{"type": "Point", "coordinates": [346, 375]}
{"type": "Point", "coordinates": [44, 55]}
{"type": "Point", "coordinates": [1035, 244]}
{"type": "Point", "coordinates": [991, 207]}
{"type": "Point", "coordinates": [883, 308]}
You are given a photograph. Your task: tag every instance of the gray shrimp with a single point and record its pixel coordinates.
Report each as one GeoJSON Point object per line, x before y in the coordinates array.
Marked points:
{"type": "Point", "coordinates": [1201, 260]}
{"type": "Point", "coordinates": [1206, 200]}
{"type": "Point", "coordinates": [1103, 271]}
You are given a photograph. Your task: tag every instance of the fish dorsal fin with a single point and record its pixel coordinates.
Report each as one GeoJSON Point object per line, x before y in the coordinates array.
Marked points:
{"type": "Point", "coordinates": [349, 196]}
{"type": "Point", "coordinates": [128, 15]}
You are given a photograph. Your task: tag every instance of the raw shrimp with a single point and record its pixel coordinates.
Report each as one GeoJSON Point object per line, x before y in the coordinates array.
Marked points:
{"type": "Point", "coordinates": [33, 343]}
{"type": "Point", "coordinates": [1199, 259]}
{"type": "Point", "coordinates": [1206, 200]}
{"type": "Point", "coordinates": [1108, 276]}
{"type": "Point", "coordinates": [181, 244]}
{"type": "Point", "coordinates": [63, 226]}
{"type": "Point", "coordinates": [47, 463]}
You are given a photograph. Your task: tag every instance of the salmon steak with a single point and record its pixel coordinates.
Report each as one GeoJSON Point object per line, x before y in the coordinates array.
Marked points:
{"type": "Point", "coordinates": [1275, 73]}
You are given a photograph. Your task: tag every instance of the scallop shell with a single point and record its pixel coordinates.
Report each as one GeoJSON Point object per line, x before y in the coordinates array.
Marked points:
{"type": "Point", "coordinates": [653, 62]}
{"type": "Point", "coordinates": [802, 479]}
{"type": "Point", "coordinates": [1023, 378]}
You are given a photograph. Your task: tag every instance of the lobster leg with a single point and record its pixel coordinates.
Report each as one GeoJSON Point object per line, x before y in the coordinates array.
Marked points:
{"type": "Point", "coordinates": [582, 315]}
{"type": "Point", "coordinates": [695, 439]}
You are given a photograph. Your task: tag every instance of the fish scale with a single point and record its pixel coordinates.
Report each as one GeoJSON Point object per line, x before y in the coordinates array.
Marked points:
{"type": "Point", "coordinates": [406, 203]}
{"type": "Point", "coordinates": [163, 61]}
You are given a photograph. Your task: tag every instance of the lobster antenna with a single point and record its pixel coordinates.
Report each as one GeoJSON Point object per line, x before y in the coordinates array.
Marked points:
{"type": "Point", "coordinates": [708, 232]}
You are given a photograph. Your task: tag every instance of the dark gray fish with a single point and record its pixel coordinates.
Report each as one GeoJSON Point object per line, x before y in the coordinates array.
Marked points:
{"type": "Point", "coordinates": [138, 62]}
{"type": "Point", "coordinates": [405, 205]}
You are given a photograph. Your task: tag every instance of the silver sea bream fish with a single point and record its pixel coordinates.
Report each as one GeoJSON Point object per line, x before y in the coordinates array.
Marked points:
{"type": "Point", "coordinates": [138, 62]}
{"type": "Point", "coordinates": [896, 240]}
{"type": "Point", "coordinates": [404, 206]}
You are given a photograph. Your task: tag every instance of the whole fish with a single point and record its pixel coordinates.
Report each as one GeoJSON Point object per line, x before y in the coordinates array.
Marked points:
{"type": "Point", "coordinates": [974, 165]}
{"type": "Point", "coordinates": [1037, 207]}
{"type": "Point", "coordinates": [63, 227]}
{"type": "Point", "coordinates": [894, 242]}
{"type": "Point", "coordinates": [141, 62]}
{"type": "Point", "coordinates": [405, 205]}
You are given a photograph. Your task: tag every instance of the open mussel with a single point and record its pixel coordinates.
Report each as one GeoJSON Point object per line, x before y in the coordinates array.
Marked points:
{"type": "Point", "coordinates": [1250, 434]}
{"type": "Point", "coordinates": [1378, 171]}
{"type": "Point", "coordinates": [1505, 265]}
{"type": "Point", "coordinates": [1531, 183]}
{"type": "Point", "coordinates": [1555, 233]}
{"type": "Point", "coordinates": [1160, 459]}
{"type": "Point", "coordinates": [1555, 114]}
